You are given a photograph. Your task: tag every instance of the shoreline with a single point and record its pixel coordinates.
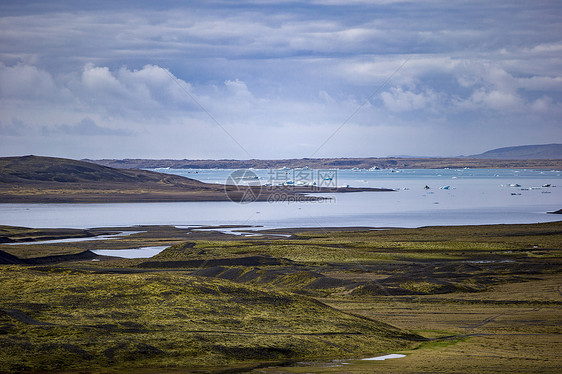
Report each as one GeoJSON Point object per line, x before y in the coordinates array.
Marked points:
{"type": "Point", "coordinates": [225, 217]}
{"type": "Point", "coordinates": [48, 235]}
{"type": "Point", "coordinates": [66, 194]}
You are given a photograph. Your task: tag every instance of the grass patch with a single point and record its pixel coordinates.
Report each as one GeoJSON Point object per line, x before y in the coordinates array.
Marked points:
{"type": "Point", "coordinates": [438, 343]}
{"type": "Point", "coordinates": [76, 320]}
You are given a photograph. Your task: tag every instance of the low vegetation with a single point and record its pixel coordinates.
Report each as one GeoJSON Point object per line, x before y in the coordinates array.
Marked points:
{"type": "Point", "coordinates": [454, 299]}
{"type": "Point", "coordinates": [53, 319]}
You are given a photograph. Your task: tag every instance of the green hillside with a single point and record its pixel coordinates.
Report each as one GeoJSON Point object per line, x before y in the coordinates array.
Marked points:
{"type": "Point", "coordinates": [64, 320]}
{"type": "Point", "coordinates": [36, 169]}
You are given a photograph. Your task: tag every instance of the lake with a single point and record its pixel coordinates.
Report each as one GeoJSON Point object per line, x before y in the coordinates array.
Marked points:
{"type": "Point", "coordinates": [454, 197]}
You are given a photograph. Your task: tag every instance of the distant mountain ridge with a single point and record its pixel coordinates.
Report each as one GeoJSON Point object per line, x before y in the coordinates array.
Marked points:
{"type": "Point", "coordinates": [524, 152]}
{"type": "Point", "coordinates": [473, 162]}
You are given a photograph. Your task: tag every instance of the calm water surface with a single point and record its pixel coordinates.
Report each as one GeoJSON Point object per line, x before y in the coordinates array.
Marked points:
{"type": "Point", "coordinates": [455, 197]}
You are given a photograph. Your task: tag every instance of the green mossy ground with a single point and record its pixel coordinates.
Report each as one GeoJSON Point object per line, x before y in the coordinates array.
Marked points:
{"type": "Point", "coordinates": [74, 320]}
{"type": "Point", "coordinates": [213, 301]}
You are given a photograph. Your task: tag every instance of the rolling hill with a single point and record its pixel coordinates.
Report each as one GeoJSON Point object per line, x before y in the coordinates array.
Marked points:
{"type": "Point", "coordinates": [524, 152]}
{"type": "Point", "coordinates": [36, 169]}
{"type": "Point", "coordinates": [49, 179]}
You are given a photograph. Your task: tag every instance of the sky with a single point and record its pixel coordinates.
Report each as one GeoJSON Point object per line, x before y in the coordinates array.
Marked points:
{"type": "Point", "coordinates": [274, 79]}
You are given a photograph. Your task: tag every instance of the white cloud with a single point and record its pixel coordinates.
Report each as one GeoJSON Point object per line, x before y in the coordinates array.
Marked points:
{"type": "Point", "coordinates": [547, 48]}
{"type": "Point", "coordinates": [151, 87]}
{"type": "Point", "coordinates": [398, 100]}
{"type": "Point", "coordinates": [25, 81]}
{"type": "Point", "coordinates": [543, 104]}
{"type": "Point", "coordinates": [498, 100]}
{"type": "Point", "coordinates": [100, 79]}
{"type": "Point", "coordinates": [238, 88]}
{"type": "Point", "coordinates": [541, 83]}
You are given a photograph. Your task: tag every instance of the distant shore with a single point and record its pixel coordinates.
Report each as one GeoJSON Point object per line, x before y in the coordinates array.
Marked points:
{"type": "Point", "coordinates": [334, 163]}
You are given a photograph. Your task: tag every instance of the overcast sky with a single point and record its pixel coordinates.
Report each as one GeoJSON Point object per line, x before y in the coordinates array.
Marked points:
{"type": "Point", "coordinates": [278, 79]}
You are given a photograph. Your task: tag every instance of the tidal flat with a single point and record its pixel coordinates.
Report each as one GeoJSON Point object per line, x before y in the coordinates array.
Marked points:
{"type": "Point", "coordinates": [451, 299]}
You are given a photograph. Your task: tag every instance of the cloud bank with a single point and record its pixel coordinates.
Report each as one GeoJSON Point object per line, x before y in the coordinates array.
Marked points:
{"type": "Point", "coordinates": [276, 79]}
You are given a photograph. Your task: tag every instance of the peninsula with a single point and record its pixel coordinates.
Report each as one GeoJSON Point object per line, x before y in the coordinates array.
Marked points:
{"type": "Point", "coordinates": [35, 179]}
